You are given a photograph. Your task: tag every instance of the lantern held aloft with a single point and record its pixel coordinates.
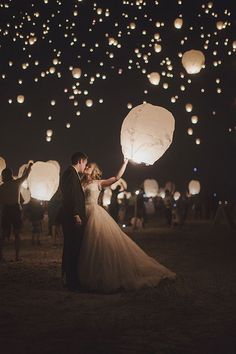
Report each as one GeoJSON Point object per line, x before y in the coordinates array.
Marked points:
{"type": "Point", "coordinates": [146, 133]}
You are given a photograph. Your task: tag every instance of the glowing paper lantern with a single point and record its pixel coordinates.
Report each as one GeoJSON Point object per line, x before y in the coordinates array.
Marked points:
{"type": "Point", "coordinates": [146, 133]}
{"type": "Point", "coordinates": [157, 48]}
{"type": "Point", "coordinates": [20, 98]}
{"type": "Point", "coordinates": [25, 193]}
{"type": "Point", "coordinates": [194, 119]}
{"type": "Point", "coordinates": [2, 166]}
{"type": "Point", "coordinates": [189, 107]}
{"type": "Point", "coordinates": [43, 180]}
{"type": "Point", "coordinates": [193, 61]}
{"type": "Point", "coordinates": [107, 197]}
{"type": "Point", "coordinates": [76, 73]}
{"type": "Point", "coordinates": [49, 132]}
{"type": "Point", "coordinates": [219, 25]}
{"type": "Point", "coordinates": [154, 78]}
{"type": "Point", "coordinates": [20, 173]}
{"type": "Point", "coordinates": [178, 23]}
{"type": "Point", "coordinates": [162, 193]}
{"type": "Point", "coordinates": [124, 194]}
{"type": "Point", "coordinates": [89, 103]}
{"type": "Point", "coordinates": [122, 183]}
{"type": "Point", "coordinates": [55, 163]}
{"type": "Point", "coordinates": [150, 187]}
{"type": "Point", "coordinates": [194, 187]}
{"type": "Point", "coordinates": [177, 196]}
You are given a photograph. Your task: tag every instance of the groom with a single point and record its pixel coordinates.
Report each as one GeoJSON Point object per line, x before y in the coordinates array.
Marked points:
{"type": "Point", "coordinates": [73, 218]}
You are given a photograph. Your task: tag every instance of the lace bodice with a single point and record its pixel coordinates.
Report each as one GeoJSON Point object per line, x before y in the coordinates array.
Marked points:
{"type": "Point", "coordinates": [91, 192]}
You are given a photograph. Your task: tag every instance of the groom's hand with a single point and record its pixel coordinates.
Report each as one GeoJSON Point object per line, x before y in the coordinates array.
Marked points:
{"type": "Point", "coordinates": [78, 221]}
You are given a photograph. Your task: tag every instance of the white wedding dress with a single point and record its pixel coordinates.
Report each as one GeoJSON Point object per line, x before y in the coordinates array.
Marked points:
{"type": "Point", "coordinates": [109, 260]}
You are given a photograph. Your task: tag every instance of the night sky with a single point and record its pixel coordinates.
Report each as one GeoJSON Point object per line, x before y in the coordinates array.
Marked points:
{"type": "Point", "coordinates": [76, 34]}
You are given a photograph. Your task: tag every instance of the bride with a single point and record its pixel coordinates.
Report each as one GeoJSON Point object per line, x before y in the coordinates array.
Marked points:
{"type": "Point", "coordinates": [109, 260]}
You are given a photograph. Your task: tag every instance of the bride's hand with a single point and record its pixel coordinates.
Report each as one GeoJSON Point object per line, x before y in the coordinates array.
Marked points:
{"type": "Point", "coordinates": [126, 160]}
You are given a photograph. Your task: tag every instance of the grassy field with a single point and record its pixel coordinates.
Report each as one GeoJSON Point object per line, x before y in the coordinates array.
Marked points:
{"type": "Point", "coordinates": [194, 314]}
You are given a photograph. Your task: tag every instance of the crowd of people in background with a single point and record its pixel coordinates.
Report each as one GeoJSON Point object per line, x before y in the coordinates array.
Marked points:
{"type": "Point", "coordinates": [135, 211]}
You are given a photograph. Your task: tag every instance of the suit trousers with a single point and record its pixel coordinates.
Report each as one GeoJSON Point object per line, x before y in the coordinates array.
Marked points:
{"type": "Point", "coordinates": [73, 235]}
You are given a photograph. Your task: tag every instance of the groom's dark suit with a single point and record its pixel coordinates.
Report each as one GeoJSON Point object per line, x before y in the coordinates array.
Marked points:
{"type": "Point", "coordinates": [73, 203]}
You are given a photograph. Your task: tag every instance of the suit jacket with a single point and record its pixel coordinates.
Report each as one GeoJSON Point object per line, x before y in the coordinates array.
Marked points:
{"type": "Point", "coordinates": [73, 200]}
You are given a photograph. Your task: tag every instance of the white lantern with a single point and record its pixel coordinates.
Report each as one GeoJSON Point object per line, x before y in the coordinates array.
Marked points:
{"type": "Point", "coordinates": [20, 173]}
{"type": "Point", "coordinates": [124, 194]}
{"type": "Point", "coordinates": [49, 132]}
{"type": "Point", "coordinates": [107, 197]}
{"type": "Point", "coordinates": [20, 98]}
{"type": "Point", "coordinates": [194, 187]}
{"type": "Point", "coordinates": [146, 133]}
{"type": "Point", "coordinates": [89, 103]}
{"type": "Point", "coordinates": [157, 47]}
{"type": "Point", "coordinates": [189, 107]}
{"type": "Point", "coordinates": [178, 23]}
{"type": "Point", "coordinates": [150, 187]}
{"type": "Point", "coordinates": [154, 78]}
{"type": "Point", "coordinates": [194, 119]}
{"type": "Point", "coordinates": [76, 73]}
{"type": "Point", "coordinates": [162, 193]}
{"type": "Point", "coordinates": [177, 196]}
{"type": "Point", "coordinates": [219, 25]}
{"type": "Point", "coordinates": [122, 183]}
{"type": "Point", "coordinates": [2, 167]}
{"type": "Point", "coordinates": [193, 61]}
{"type": "Point", "coordinates": [25, 193]}
{"type": "Point", "coordinates": [55, 163]}
{"type": "Point", "coordinates": [43, 180]}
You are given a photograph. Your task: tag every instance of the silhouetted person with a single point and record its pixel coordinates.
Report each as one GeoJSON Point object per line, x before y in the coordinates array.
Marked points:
{"type": "Point", "coordinates": [114, 206]}
{"type": "Point", "coordinates": [54, 216]}
{"type": "Point", "coordinates": [168, 201]}
{"type": "Point", "coordinates": [11, 209]}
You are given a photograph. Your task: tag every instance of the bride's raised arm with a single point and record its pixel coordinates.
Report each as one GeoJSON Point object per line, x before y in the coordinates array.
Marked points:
{"type": "Point", "coordinates": [109, 181]}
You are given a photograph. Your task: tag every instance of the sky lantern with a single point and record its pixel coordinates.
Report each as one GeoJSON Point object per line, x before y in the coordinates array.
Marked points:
{"type": "Point", "coordinates": [189, 107]}
{"type": "Point", "coordinates": [89, 102]}
{"type": "Point", "coordinates": [20, 98]}
{"type": "Point", "coordinates": [193, 61]}
{"type": "Point", "coordinates": [219, 25]}
{"type": "Point", "coordinates": [194, 187]}
{"type": "Point", "coordinates": [49, 132]}
{"type": "Point", "coordinates": [55, 163]}
{"type": "Point", "coordinates": [178, 23]}
{"type": "Point", "coordinates": [25, 193]}
{"type": "Point", "coordinates": [76, 73]}
{"type": "Point", "coordinates": [122, 183]}
{"type": "Point", "coordinates": [157, 47]}
{"type": "Point", "coordinates": [107, 197]}
{"type": "Point", "coordinates": [194, 119]}
{"type": "Point", "coordinates": [146, 133]}
{"type": "Point", "coordinates": [150, 187]}
{"type": "Point", "coordinates": [43, 180]}
{"type": "Point", "coordinates": [2, 166]}
{"type": "Point", "coordinates": [154, 78]}
{"type": "Point", "coordinates": [176, 195]}
{"type": "Point", "coordinates": [20, 173]}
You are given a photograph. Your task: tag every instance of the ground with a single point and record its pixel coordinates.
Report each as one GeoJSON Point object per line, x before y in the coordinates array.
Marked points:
{"type": "Point", "coordinates": [194, 314]}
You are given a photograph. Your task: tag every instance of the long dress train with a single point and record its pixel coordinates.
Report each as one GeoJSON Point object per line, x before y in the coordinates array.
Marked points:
{"type": "Point", "coordinates": [109, 260]}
